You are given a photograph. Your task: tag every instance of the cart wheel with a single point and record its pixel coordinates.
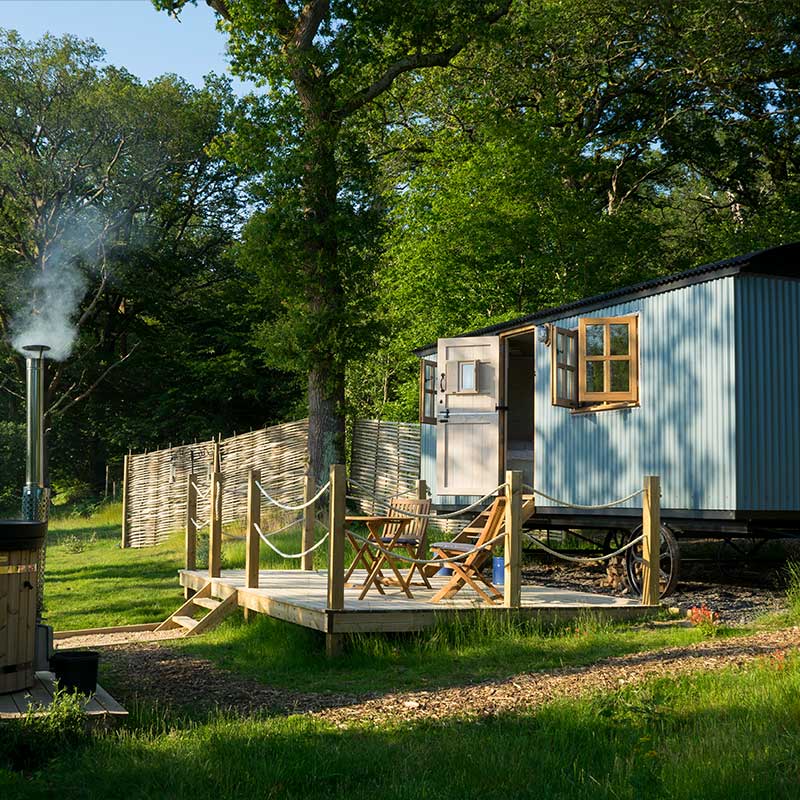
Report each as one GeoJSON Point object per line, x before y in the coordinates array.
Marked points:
{"type": "Point", "coordinates": [615, 538]}
{"type": "Point", "coordinates": [669, 562]}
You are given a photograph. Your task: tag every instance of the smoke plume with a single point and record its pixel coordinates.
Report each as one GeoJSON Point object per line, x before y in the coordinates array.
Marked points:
{"type": "Point", "coordinates": [52, 296]}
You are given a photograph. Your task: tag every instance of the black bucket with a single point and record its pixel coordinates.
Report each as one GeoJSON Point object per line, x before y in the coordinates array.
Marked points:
{"type": "Point", "coordinates": [76, 670]}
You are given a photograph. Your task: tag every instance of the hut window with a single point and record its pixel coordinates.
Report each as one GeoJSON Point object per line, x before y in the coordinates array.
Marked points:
{"type": "Point", "coordinates": [608, 360]}
{"type": "Point", "coordinates": [564, 384]}
{"type": "Point", "coordinates": [427, 392]}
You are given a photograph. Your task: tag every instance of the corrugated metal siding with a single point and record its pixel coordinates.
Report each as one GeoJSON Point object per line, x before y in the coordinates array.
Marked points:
{"type": "Point", "coordinates": [684, 429]}
{"type": "Point", "coordinates": [768, 393]}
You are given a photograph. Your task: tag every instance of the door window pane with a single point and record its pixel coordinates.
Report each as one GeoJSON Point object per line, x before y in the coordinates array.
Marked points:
{"type": "Point", "coordinates": [467, 378]}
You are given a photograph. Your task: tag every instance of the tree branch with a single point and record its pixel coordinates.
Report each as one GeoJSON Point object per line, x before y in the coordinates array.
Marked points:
{"type": "Point", "coordinates": [412, 62]}
{"type": "Point", "coordinates": [96, 383]}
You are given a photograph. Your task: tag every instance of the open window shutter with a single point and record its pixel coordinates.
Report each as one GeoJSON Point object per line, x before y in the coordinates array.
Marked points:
{"type": "Point", "coordinates": [564, 368]}
{"type": "Point", "coordinates": [468, 429]}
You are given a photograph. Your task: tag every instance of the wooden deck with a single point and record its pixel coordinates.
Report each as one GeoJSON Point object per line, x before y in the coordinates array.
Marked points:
{"type": "Point", "coordinates": [101, 708]}
{"type": "Point", "coordinates": [300, 597]}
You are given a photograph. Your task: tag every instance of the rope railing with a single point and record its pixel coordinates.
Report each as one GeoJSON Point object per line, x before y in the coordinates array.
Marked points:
{"type": "Point", "coordinates": [579, 506]}
{"type": "Point", "coordinates": [198, 526]}
{"type": "Point", "coordinates": [583, 559]}
{"type": "Point", "coordinates": [426, 561]}
{"type": "Point", "coordinates": [200, 494]}
{"type": "Point", "coordinates": [286, 507]}
{"type": "Point", "coordinates": [265, 538]}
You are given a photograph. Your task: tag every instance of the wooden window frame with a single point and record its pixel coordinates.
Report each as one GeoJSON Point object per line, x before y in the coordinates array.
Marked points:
{"type": "Point", "coordinates": [557, 367]}
{"type": "Point", "coordinates": [423, 418]}
{"type": "Point", "coordinates": [632, 357]}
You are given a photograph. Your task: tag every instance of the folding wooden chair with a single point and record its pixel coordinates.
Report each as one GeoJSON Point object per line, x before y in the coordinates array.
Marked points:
{"type": "Point", "coordinates": [414, 539]}
{"type": "Point", "coordinates": [468, 570]}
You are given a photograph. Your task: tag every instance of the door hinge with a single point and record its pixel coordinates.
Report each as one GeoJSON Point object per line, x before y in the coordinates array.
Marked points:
{"type": "Point", "coordinates": [501, 408]}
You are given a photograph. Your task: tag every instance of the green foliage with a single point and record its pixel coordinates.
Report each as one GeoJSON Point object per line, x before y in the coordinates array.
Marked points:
{"type": "Point", "coordinates": [12, 466]}
{"type": "Point", "coordinates": [29, 744]}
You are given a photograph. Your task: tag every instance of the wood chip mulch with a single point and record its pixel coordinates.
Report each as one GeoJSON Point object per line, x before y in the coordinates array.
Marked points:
{"type": "Point", "coordinates": [153, 673]}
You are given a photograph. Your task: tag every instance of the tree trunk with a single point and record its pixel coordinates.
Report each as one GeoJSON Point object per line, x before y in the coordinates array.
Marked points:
{"type": "Point", "coordinates": [325, 420]}
{"type": "Point", "coordinates": [324, 298]}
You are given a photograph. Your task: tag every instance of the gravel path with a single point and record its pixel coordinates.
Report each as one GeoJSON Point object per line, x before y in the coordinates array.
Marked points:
{"type": "Point", "coordinates": [153, 673]}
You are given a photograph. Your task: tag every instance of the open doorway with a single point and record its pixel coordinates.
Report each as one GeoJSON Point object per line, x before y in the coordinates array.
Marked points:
{"type": "Point", "coordinates": [519, 399]}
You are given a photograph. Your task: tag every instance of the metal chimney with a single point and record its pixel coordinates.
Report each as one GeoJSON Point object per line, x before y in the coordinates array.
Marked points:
{"type": "Point", "coordinates": [35, 495]}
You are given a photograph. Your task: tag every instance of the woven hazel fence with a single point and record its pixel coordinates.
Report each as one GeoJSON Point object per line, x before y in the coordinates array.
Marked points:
{"type": "Point", "coordinates": [385, 463]}
{"type": "Point", "coordinates": [154, 497]}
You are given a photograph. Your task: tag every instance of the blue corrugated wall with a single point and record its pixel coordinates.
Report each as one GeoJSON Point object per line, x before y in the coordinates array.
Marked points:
{"type": "Point", "coordinates": [684, 428]}
{"type": "Point", "coordinates": [768, 393]}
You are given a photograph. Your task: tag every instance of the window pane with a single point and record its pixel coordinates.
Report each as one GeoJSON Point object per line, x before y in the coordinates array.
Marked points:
{"type": "Point", "coordinates": [594, 376]}
{"type": "Point", "coordinates": [594, 340]}
{"type": "Point", "coordinates": [620, 376]}
{"type": "Point", "coordinates": [570, 351]}
{"type": "Point", "coordinates": [619, 340]}
{"type": "Point", "coordinates": [466, 377]}
{"type": "Point", "coordinates": [562, 342]}
{"type": "Point", "coordinates": [430, 406]}
{"type": "Point", "coordinates": [430, 378]}
{"type": "Point", "coordinates": [570, 381]}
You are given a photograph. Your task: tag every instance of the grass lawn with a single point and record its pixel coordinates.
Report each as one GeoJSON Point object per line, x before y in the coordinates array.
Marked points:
{"type": "Point", "coordinates": [722, 735]}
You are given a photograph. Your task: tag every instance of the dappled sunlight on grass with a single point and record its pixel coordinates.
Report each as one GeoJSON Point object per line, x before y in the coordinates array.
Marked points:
{"type": "Point", "coordinates": [452, 653]}
{"type": "Point", "coordinates": [730, 734]}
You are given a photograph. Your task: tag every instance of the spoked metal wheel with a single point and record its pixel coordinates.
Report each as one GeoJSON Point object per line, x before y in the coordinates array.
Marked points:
{"type": "Point", "coordinates": [615, 538]}
{"type": "Point", "coordinates": [669, 562]}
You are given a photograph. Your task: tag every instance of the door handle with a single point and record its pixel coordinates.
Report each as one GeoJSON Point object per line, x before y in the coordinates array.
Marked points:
{"type": "Point", "coordinates": [443, 382]}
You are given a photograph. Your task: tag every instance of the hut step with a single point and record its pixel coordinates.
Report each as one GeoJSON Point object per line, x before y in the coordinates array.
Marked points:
{"type": "Point", "coordinates": [186, 622]}
{"type": "Point", "coordinates": [206, 602]}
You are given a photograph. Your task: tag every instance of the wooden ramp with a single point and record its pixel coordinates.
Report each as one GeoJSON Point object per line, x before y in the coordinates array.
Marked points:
{"type": "Point", "coordinates": [300, 597]}
{"type": "Point", "coordinates": [101, 708]}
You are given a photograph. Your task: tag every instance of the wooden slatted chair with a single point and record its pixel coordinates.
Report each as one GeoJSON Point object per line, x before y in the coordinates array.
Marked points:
{"type": "Point", "coordinates": [468, 570]}
{"type": "Point", "coordinates": [414, 538]}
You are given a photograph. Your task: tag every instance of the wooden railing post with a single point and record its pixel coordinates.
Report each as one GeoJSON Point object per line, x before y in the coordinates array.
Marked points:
{"type": "Point", "coordinates": [190, 539]}
{"type": "Point", "coordinates": [512, 587]}
{"type": "Point", "coordinates": [651, 544]}
{"type": "Point", "coordinates": [309, 523]}
{"type": "Point", "coordinates": [253, 540]}
{"type": "Point", "coordinates": [215, 526]}
{"type": "Point", "coordinates": [338, 493]}
{"type": "Point", "coordinates": [421, 489]}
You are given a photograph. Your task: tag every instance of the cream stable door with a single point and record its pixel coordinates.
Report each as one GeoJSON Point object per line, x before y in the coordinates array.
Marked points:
{"type": "Point", "coordinates": [468, 418]}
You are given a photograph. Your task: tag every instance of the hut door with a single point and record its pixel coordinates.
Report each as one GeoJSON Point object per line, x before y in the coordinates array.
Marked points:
{"type": "Point", "coordinates": [468, 415]}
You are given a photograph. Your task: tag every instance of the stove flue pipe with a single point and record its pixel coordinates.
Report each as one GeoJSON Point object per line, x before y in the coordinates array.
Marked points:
{"type": "Point", "coordinates": [34, 493]}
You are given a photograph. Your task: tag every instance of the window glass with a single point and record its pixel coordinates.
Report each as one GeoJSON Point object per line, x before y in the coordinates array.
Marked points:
{"type": "Point", "coordinates": [619, 340]}
{"type": "Point", "coordinates": [430, 405]}
{"type": "Point", "coordinates": [466, 376]}
{"type": "Point", "coordinates": [620, 376]}
{"type": "Point", "coordinates": [594, 340]}
{"type": "Point", "coordinates": [594, 376]}
{"type": "Point", "coordinates": [430, 377]}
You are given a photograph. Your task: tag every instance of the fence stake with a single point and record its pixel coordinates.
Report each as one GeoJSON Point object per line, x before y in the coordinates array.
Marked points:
{"type": "Point", "coordinates": [651, 544]}
{"type": "Point", "coordinates": [338, 493]}
{"type": "Point", "coordinates": [253, 520]}
{"type": "Point", "coordinates": [513, 541]}
{"type": "Point", "coordinates": [125, 464]}
{"type": "Point", "coordinates": [215, 526]}
{"type": "Point", "coordinates": [309, 519]}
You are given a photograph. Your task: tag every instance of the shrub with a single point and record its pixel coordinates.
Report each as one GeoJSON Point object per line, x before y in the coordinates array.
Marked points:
{"type": "Point", "coordinates": [28, 744]}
